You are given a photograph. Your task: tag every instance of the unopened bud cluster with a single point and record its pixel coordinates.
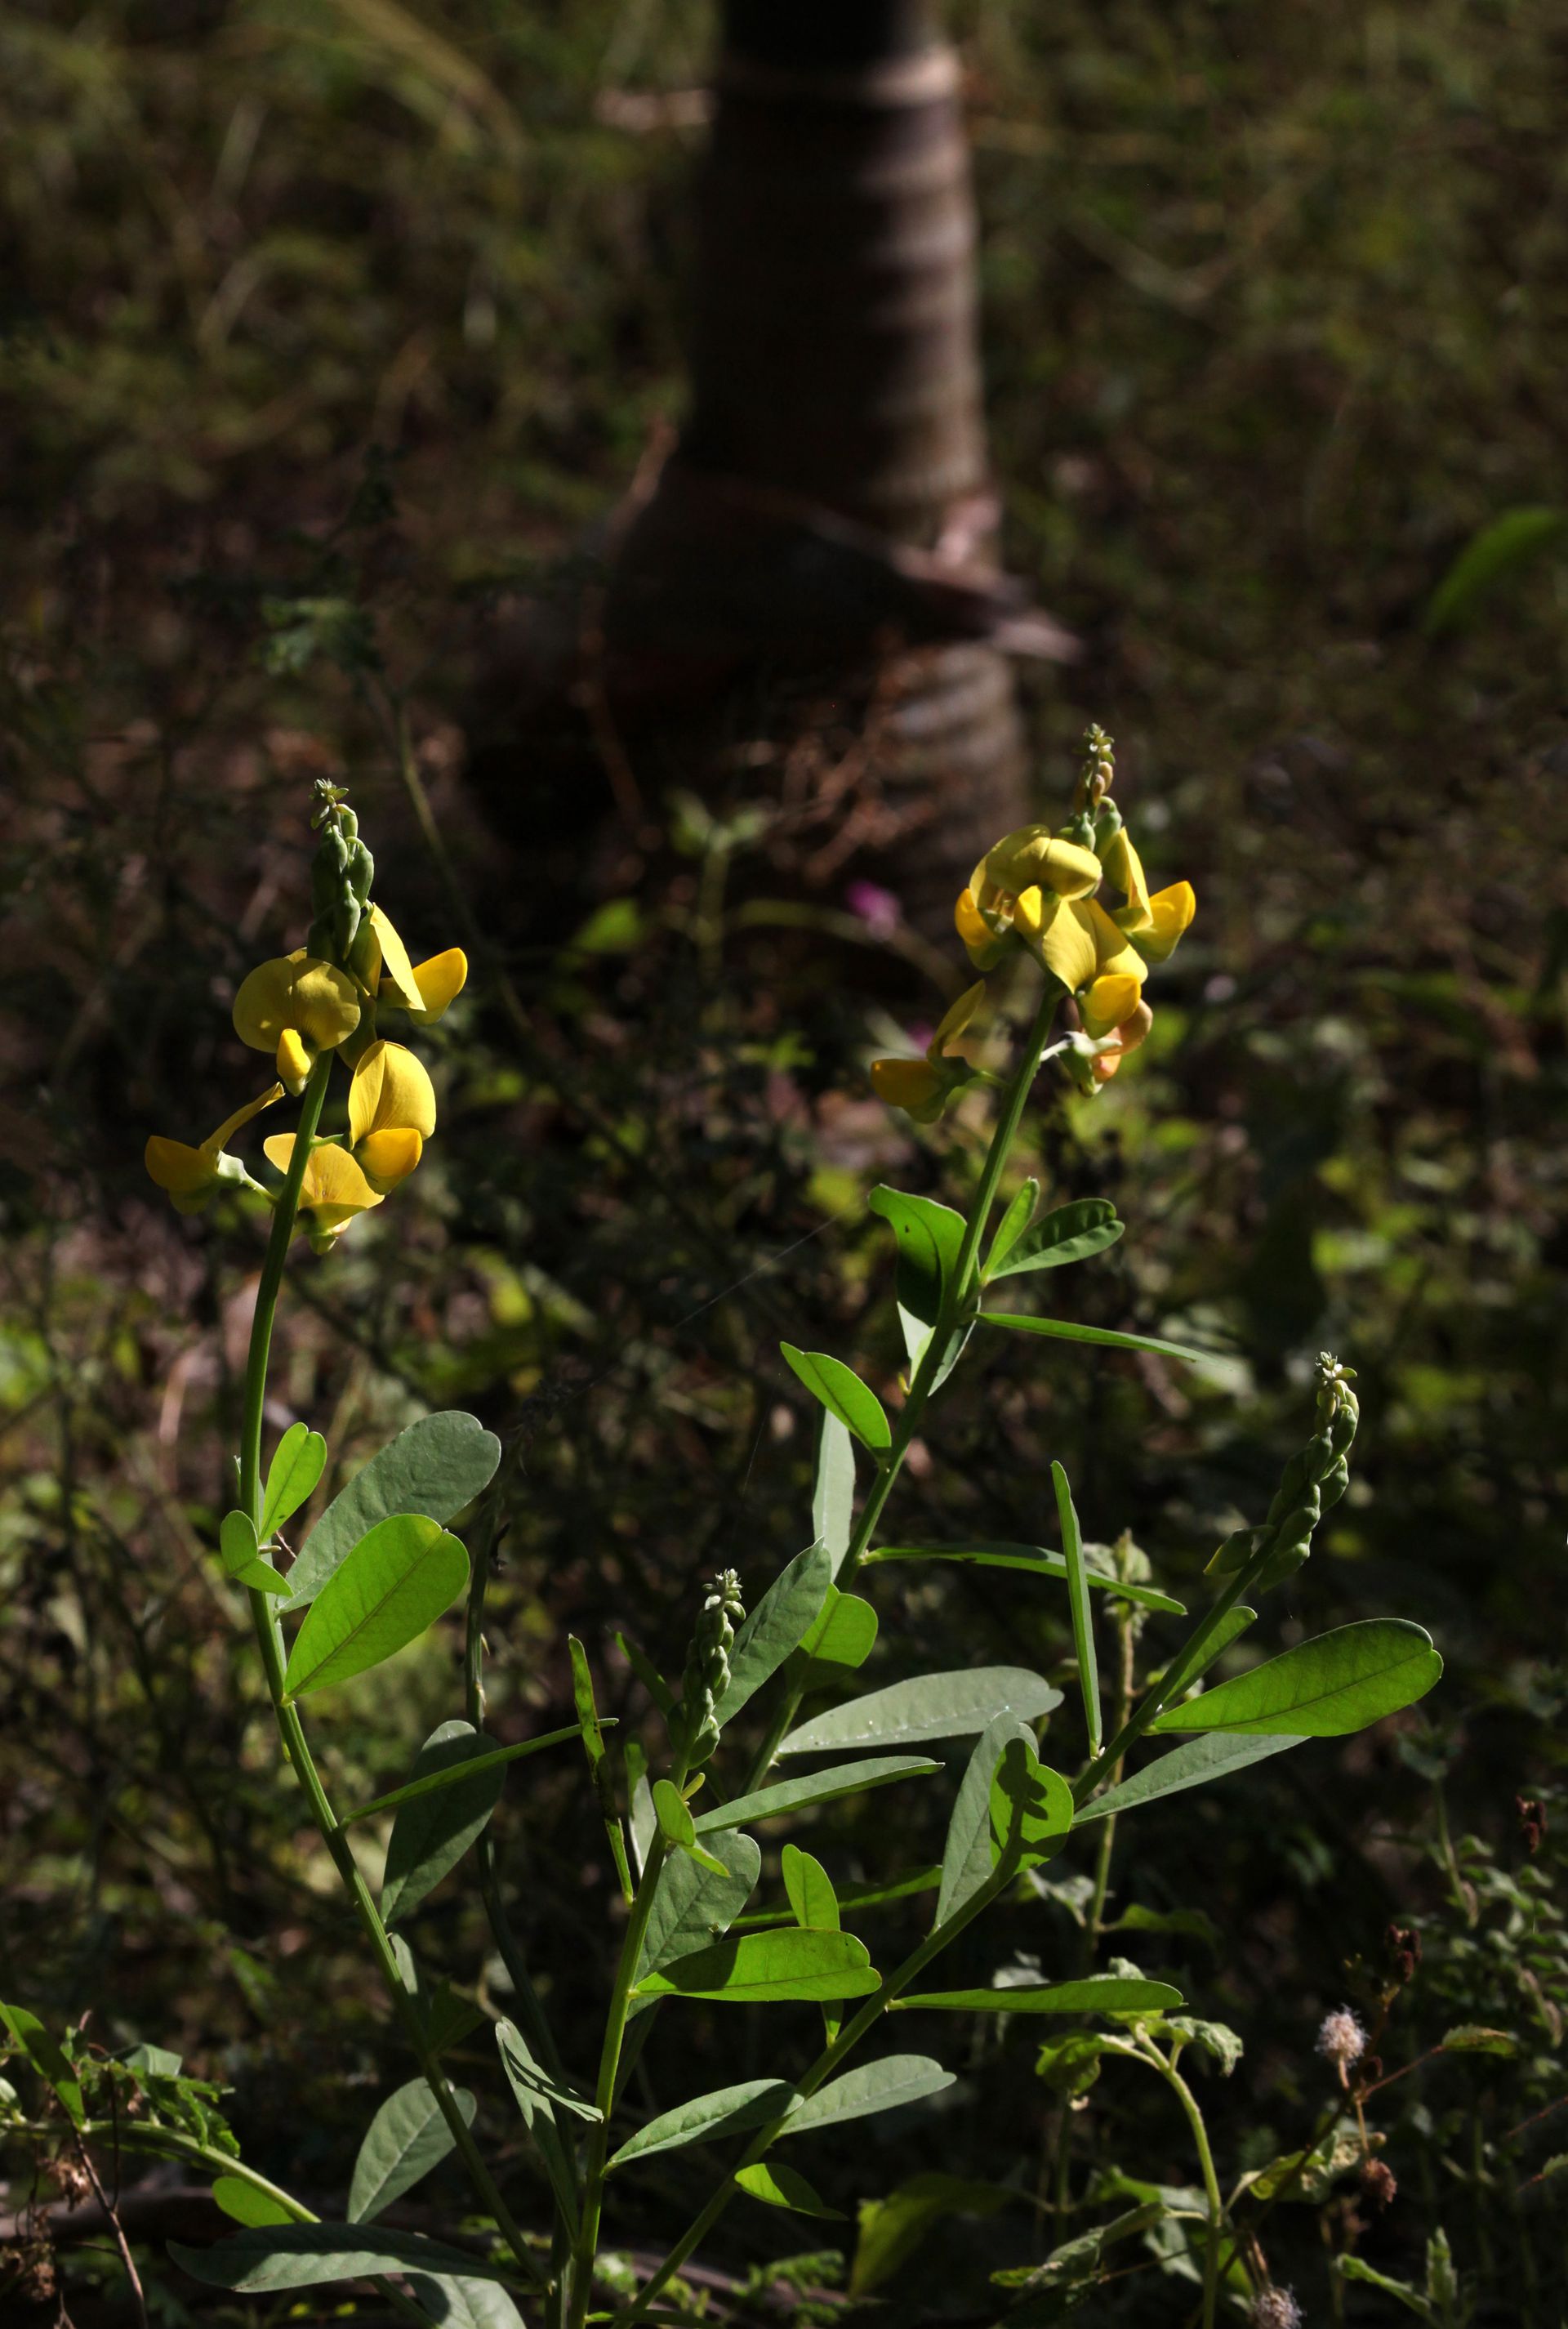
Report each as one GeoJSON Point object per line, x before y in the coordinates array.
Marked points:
{"type": "Point", "coordinates": [1312, 1482]}
{"type": "Point", "coordinates": [707, 1676]}
{"type": "Point", "coordinates": [341, 874]}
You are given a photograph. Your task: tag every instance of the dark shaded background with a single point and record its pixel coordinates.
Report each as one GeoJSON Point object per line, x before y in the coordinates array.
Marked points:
{"type": "Point", "coordinates": [1274, 328]}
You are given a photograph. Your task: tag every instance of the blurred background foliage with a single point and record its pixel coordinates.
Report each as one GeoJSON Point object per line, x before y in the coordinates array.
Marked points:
{"type": "Point", "coordinates": [1275, 308]}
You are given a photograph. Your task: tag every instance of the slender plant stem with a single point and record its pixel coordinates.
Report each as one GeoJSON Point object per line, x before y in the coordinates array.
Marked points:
{"type": "Point", "coordinates": [1189, 2101]}
{"type": "Point", "coordinates": [609, 2074]}
{"type": "Point", "coordinates": [955, 1297]}
{"type": "Point", "coordinates": [269, 1640]}
{"type": "Point", "coordinates": [1094, 1922]}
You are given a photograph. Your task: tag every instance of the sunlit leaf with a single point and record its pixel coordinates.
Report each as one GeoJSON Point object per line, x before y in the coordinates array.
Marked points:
{"type": "Point", "coordinates": [762, 1967]}
{"type": "Point", "coordinates": [434, 1467]}
{"type": "Point", "coordinates": [244, 2204]}
{"type": "Point", "coordinates": [929, 1706]}
{"type": "Point", "coordinates": [406, 2137]}
{"type": "Point", "coordinates": [809, 1888]}
{"type": "Point", "coordinates": [1100, 1992]}
{"type": "Point", "coordinates": [1020, 1213]}
{"type": "Point", "coordinates": [833, 1498]}
{"type": "Point", "coordinates": [1322, 1689]}
{"type": "Point", "coordinates": [1184, 1766]}
{"type": "Point", "coordinates": [1030, 1557]}
{"type": "Point", "coordinates": [395, 1583]}
{"type": "Point", "coordinates": [692, 1907]}
{"type": "Point", "coordinates": [821, 1787]}
{"type": "Point", "coordinates": [779, 2187]}
{"type": "Point", "coordinates": [709, 2118]}
{"type": "Point", "coordinates": [298, 1462]}
{"type": "Point", "coordinates": [886, 2085]}
{"type": "Point", "coordinates": [1067, 1331]}
{"type": "Point", "coordinates": [778, 1625]}
{"type": "Point", "coordinates": [1070, 1233]}
{"type": "Point", "coordinates": [842, 1393]}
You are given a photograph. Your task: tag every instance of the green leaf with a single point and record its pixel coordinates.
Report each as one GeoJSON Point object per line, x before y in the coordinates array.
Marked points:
{"type": "Point", "coordinates": [1011, 1227]}
{"type": "Point", "coordinates": [1065, 1330]}
{"type": "Point", "coordinates": [523, 2069]}
{"type": "Point", "coordinates": [1031, 1808]}
{"type": "Point", "coordinates": [152, 2061]}
{"type": "Point", "coordinates": [843, 1394]}
{"type": "Point", "coordinates": [1099, 1992]}
{"type": "Point", "coordinates": [809, 1888]}
{"type": "Point", "coordinates": [246, 2205]}
{"type": "Point", "coordinates": [891, 2229]}
{"type": "Point", "coordinates": [240, 1551]}
{"type": "Point", "coordinates": [1210, 1641]}
{"type": "Point", "coordinates": [1354, 2267]}
{"type": "Point", "coordinates": [762, 1967]}
{"type": "Point", "coordinates": [297, 1463]}
{"type": "Point", "coordinates": [930, 1706]}
{"type": "Point", "coordinates": [883, 2086]}
{"type": "Point", "coordinates": [821, 1787]}
{"type": "Point", "coordinates": [833, 1499]}
{"type": "Point", "coordinates": [1078, 1604]}
{"type": "Point", "coordinates": [930, 1240]}
{"type": "Point", "coordinates": [673, 1814]}
{"type": "Point", "coordinates": [842, 1640]}
{"type": "Point", "coordinates": [1212, 2038]}
{"type": "Point", "coordinates": [434, 1468]}
{"type": "Point", "coordinates": [395, 1583]}
{"type": "Point", "coordinates": [966, 1861]}
{"type": "Point", "coordinates": [709, 2118]}
{"type": "Point", "coordinates": [692, 1907]}
{"type": "Point", "coordinates": [463, 2304]}
{"type": "Point", "coordinates": [1028, 1557]}
{"type": "Point", "coordinates": [433, 1831]}
{"type": "Point", "coordinates": [599, 1770]}
{"type": "Point", "coordinates": [647, 1674]}
{"type": "Point", "coordinates": [1503, 547]}
{"type": "Point", "coordinates": [302, 2256]}
{"type": "Point", "coordinates": [47, 2057]}
{"type": "Point", "coordinates": [1474, 2038]}
{"type": "Point", "coordinates": [778, 1625]}
{"type": "Point", "coordinates": [406, 2137]}
{"type": "Point", "coordinates": [486, 1757]}
{"type": "Point", "coordinates": [1192, 1766]}
{"type": "Point", "coordinates": [535, 2095]}
{"type": "Point", "coordinates": [778, 2186]}
{"type": "Point", "coordinates": [1071, 1234]}
{"type": "Point", "coordinates": [1322, 1689]}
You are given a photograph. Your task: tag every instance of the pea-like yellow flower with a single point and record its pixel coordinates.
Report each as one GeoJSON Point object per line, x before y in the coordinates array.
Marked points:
{"type": "Point", "coordinates": [192, 1176]}
{"type": "Point", "coordinates": [334, 1189]}
{"type": "Point", "coordinates": [1035, 863]}
{"type": "Point", "coordinates": [1123, 1038]}
{"type": "Point", "coordinates": [391, 1114]}
{"type": "Point", "coordinates": [923, 1087]}
{"type": "Point", "coordinates": [1157, 922]}
{"type": "Point", "coordinates": [297, 1007]}
{"type": "Point", "coordinates": [422, 989]}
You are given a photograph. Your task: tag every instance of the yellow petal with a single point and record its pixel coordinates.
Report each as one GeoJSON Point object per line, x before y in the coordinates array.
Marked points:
{"type": "Point", "coordinates": [175, 1166]}
{"type": "Point", "coordinates": [326, 1003]}
{"type": "Point", "coordinates": [1169, 913]}
{"type": "Point", "coordinates": [440, 980]}
{"type": "Point", "coordinates": [1113, 952]}
{"type": "Point", "coordinates": [909, 1084]}
{"type": "Point", "coordinates": [390, 1091]}
{"type": "Point", "coordinates": [386, 1157]}
{"type": "Point", "coordinates": [262, 1006]}
{"type": "Point", "coordinates": [1111, 999]}
{"type": "Point", "coordinates": [295, 1059]}
{"type": "Point", "coordinates": [316, 998]}
{"type": "Point", "coordinates": [231, 1125]}
{"type": "Point", "coordinates": [956, 1018]}
{"type": "Point", "coordinates": [1129, 1034]}
{"type": "Point", "coordinates": [1125, 868]}
{"type": "Point", "coordinates": [985, 946]}
{"type": "Point", "coordinates": [332, 1188]}
{"type": "Point", "coordinates": [1034, 858]}
{"type": "Point", "coordinates": [1059, 934]}
{"type": "Point", "coordinates": [394, 979]}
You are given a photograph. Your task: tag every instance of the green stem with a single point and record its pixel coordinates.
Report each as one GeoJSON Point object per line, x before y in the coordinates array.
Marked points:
{"type": "Point", "coordinates": [609, 2073]}
{"type": "Point", "coordinates": [1094, 1922]}
{"type": "Point", "coordinates": [954, 1296]}
{"type": "Point", "coordinates": [1183, 1670]}
{"type": "Point", "coordinates": [269, 1640]}
{"type": "Point", "coordinates": [1189, 2101]}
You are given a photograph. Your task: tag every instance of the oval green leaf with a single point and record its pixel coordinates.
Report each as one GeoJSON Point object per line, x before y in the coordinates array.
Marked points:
{"type": "Point", "coordinates": [395, 1583]}
{"type": "Point", "coordinates": [930, 1240]}
{"type": "Point", "coordinates": [1031, 1808]}
{"type": "Point", "coordinates": [692, 1907]}
{"type": "Point", "coordinates": [780, 1622]}
{"type": "Point", "coordinates": [761, 1969]}
{"type": "Point", "coordinates": [896, 2079]}
{"type": "Point", "coordinates": [930, 1706]}
{"type": "Point", "coordinates": [843, 1394]}
{"type": "Point", "coordinates": [1071, 1234]}
{"type": "Point", "coordinates": [709, 2118]}
{"type": "Point", "coordinates": [406, 2137]}
{"type": "Point", "coordinates": [822, 1787]}
{"type": "Point", "coordinates": [1100, 1992]}
{"type": "Point", "coordinates": [809, 1889]}
{"type": "Point", "coordinates": [1192, 1766]}
{"type": "Point", "coordinates": [842, 1640]}
{"type": "Point", "coordinates": [778, 2186]}
{"type": "Point", "coordinates": [434, 1467]}
{"type": "Point", "coordinates": [433, 1830]}
{"type": "Point", "coordinates": [1322, 1689]}
{"type": "Point", "coordinates": [966, 1859]}
{"type": "Point", "coordinates": [298, 1462]}
{"type": "Point", "coordinates": [1020, 1213]}
{"type": "Point", "coordinates": [302, 2256]}
{"type": "Point", "coordinates": [833, 1495]}
{"type": "Point", "coordinates": [246, 2205]}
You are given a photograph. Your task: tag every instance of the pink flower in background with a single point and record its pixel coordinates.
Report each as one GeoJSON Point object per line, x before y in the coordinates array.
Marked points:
{"type": "Point", "coordinates": [878, 909]}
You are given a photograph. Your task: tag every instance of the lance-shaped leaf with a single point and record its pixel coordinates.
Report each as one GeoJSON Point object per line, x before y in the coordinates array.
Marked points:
{"type": "Point", "coordinates": [809, 1889]}
{"type": "Point", "coordinates": [761, 1969]}
{"type": "Point", "coordinates": [599, 1770]}
{"type": "Point", "coordinates": [1020, 1213]}
{"type": "Point", "coordinates": [434, 1467]}
{"type": "Point", "coordinates": [1067, 1330]}
{"type": "Point", "coordinates": [537, 2096]}
{"type": "Point", "coordinates": [433, 1831]}
{"type": "Point", "coordinates": [780, 1622]}
{"type": "Point", "coordinates": [930, 1240]}
{"type": "Point", "coordinates": [779, 2187]}
{"type": "Point", "coordinates": [891, 2229]}
{"type": "Point", "coordinates": [883, 2086]}
{"type": "Point", "coordinates": [692, 1907]}
{"type": "Point", "coordinates": [1078, 1604]}
{"type": "Point", "coordinates": [833, 1496]}
{"type": "Point", "coordinates": [1100, 1992]}
{"type": "Point", "coordinates": [709, 2118]}
{"type": "Point", "coordinates": [929, 1706]}
{"type": "Point", "coordinates": [821, 1787]}
{"type": "Point", "coordinates": [406, 2137]}
{"type": "Point", "coordinates": [843, 1394]}
{"type": "Point", "coordinates": [302, 2256]}
{"type": "Point", "coordinates": [463, 2304]}
{"type": "Point", "coordinates": [1070, 1233]}
{"type": "Point", "coordinates": [966, 1859]}
{"type": "Point", "coordinates": [1031, 1557]}
{"type": "Point", "coordinates": [1192, 1766]}
{"type": "Point", "coordinates": [395, 1583]}
{"type": "Point", "coordinates": [1322, 1689]}
{"type": "Point", "coordinates": [1210, 1641]}
{"type": "Point", "coordinates": [297, 1463]}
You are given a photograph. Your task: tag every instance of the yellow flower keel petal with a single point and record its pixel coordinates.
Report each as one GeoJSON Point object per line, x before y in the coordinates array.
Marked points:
{"type": "Point", "coordinates": [385, 1158]}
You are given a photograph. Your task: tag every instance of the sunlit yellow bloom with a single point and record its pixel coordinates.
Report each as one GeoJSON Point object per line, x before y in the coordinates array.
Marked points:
{"type": "Point", "coordinates": [422, 989]}
{"type": "Point", "coordinates": [295, 1006]}
{"type": "Point", "coordinates": [332, 1191]}
{"type": "Point", "coordinates": [923, 1087]}
{"type": "Point", "coordinates": [391, 1114]}
{"type": "Point", "coordinates": [1032, 863]}
{"type": "Point", "coordinates": [1124, 867]}
{"type": "Point", "coordinates": [1169, 913]}
{"type": "Point", "coordinates": [1110, 1002]}
{"type": "Point", "coordinates": [191, 1175]}
{"type": "Point", "coordinates": [1125, 1038]}
{"type": "Point", "coordinates": [1075, 939]}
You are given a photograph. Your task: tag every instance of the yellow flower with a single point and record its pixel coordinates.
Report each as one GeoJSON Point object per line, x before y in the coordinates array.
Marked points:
{"type": "Point", "coordinates": [295, 1007]}
{"type": "Point", "coordinates": [422, 989]}
{"type": "Point", "coordinates": [1075, 939]}
{"type": "Point", "coordinates": [332, 1191]}
{"type": "Point", "coordinates": [1032, 862]}
{"type": "Point", "coordinates": [1157, 922]}
{"type": "Point", "coordinates": [191, 1175]}
{"type": "Point", "coordinates": [923, 1087]}
{"type": "Point", "coordinates": [391, 1114]}
{"type": "Point", "coordinates": [1124, 1038]}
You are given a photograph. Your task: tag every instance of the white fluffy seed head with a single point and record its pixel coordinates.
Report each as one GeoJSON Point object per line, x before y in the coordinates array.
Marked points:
{"type": "Point", "coordinates": [1341, 2039]}
{"type": "Point", "coordinates": [1274, 2308]}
